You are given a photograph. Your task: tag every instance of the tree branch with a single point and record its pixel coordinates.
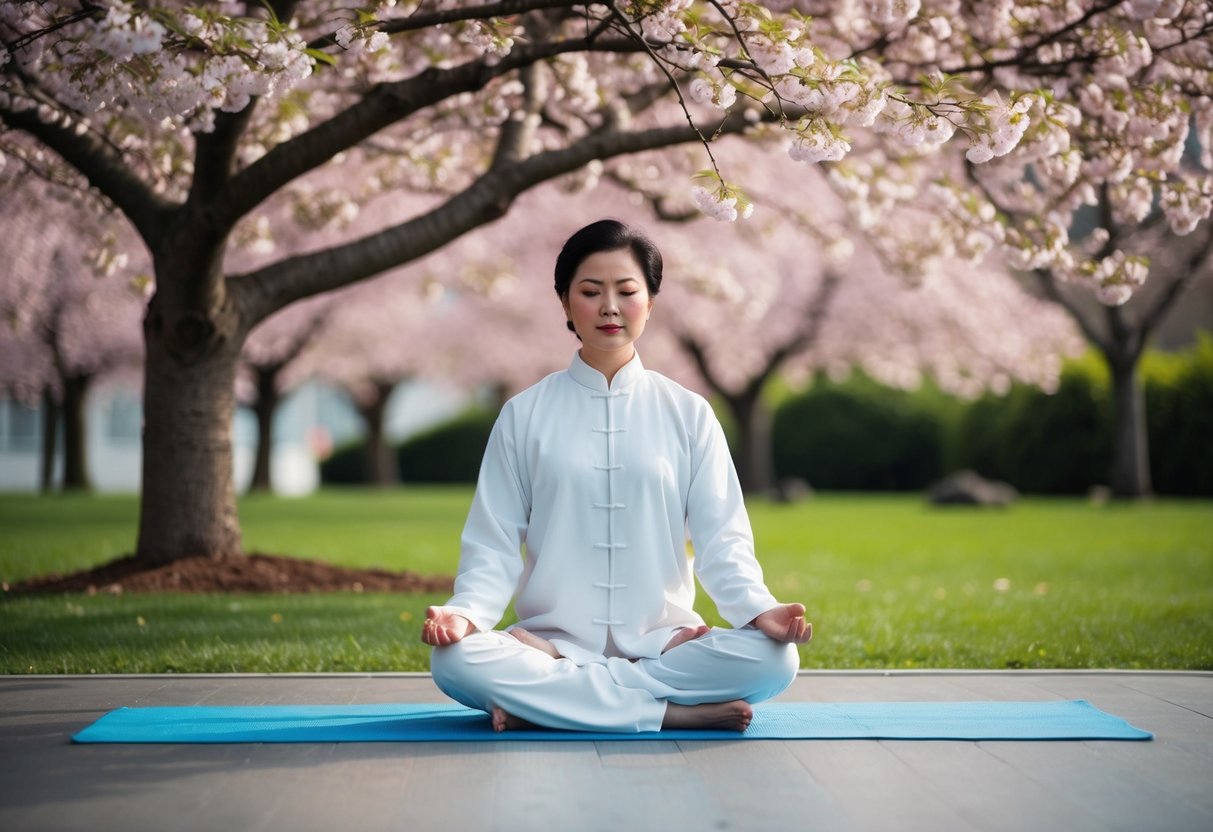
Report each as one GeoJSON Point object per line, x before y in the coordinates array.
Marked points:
{"type": "Point", "coordinates": [516, 134]}
{"type": "Point", "coordinates": [505, 8]}
{"type": "Point", "coordinates": [87, 10]}
{"type": "Point", "coordinates": [383, 106]}
{"type": "Point", "coordinates": [1019, 58]}
{"type": "Point", "coordinates": [1048, 284]}
{"type": "Point", "coordinates": [639, 38]}
{"type": "Point", "coordinates": [297, 341]}
{"type": "Point", "coordinates": [659, 202]}
{"type": "Point", "coordinates": [647, 96]}
{"type": "Point", "coordinates": [260, 293]}
{"type": "Point", "coordinates": [699, 356]}
{"type": "Point", "coordinates": [801, 339]}
{"type": "Point", "coordinates": [103, 167]}
{"type": "Point", "coordinates": [215, 154]}
{"type": "Point", "coordinates": [815, 314]}
{"type": "Point", "coordinates": [1192, 267]}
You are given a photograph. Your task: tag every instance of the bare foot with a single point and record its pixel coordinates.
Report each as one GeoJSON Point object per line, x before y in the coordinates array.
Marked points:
{"type": "Point", "coordinates": [684, 635]}
{"type": "Point", "coordinates": [508, 722]}
{"type": "Point", "coordinates": [532, 640]}
{"type": "Point", "coordinates": [724, 716]}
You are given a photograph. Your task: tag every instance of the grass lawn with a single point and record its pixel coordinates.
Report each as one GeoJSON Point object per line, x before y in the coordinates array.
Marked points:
{"type": "Point", "coordinates": [889, 582]}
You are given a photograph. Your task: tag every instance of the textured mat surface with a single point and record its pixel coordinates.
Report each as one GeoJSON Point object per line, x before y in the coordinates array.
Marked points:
{"type": "Point", "coordinates": [1054, 720]}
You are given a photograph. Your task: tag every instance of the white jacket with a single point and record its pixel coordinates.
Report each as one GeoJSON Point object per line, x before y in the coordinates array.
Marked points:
{"type": "Point", "coordinates": [585, 498]}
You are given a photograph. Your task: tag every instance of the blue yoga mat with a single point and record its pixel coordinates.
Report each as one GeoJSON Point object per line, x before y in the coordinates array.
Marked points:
{"type": "Point", "coordinates": [1063, 720]}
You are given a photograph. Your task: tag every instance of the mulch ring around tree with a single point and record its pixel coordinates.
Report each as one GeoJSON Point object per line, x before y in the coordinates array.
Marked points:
{"type": "Point", "coordinates": [242, 573]}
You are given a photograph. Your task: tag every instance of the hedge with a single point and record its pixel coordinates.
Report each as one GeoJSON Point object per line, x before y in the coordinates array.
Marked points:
{"type": "Point", "coordinates": [346, 465]}
{"type": "Point", "coordinates": [1179, 409]}
{"type": "Point", "coordinates": [1016, 438]}
{"type": "Point", "coordinates": [447, 453]}
{"type": "Point", "coordinates": [450, 452]}
{"type": "Point", "coordinates": [858, 435]}
{"type": "Point", "coordinates": [1058, 443]}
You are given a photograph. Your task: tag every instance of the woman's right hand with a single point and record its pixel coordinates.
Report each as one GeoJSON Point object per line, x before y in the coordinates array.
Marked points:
{"type": "Point", "coordinates": [442, 627]}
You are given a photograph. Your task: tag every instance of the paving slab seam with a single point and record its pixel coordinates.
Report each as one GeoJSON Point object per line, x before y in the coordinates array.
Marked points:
{"type": "Point", "coordinates": [803, 673]}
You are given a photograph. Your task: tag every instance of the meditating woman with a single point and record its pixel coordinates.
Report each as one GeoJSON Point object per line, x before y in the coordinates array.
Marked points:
{"type": "Point", "coordinates": [589, 485]}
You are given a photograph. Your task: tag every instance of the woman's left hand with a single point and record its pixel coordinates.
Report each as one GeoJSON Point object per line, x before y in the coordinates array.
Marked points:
{"type": "Point", "coordinates": [785, 623]}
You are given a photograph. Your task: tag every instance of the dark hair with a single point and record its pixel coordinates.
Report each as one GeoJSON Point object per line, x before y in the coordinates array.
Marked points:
{"type": "Point", "coordinates": [608, 235]}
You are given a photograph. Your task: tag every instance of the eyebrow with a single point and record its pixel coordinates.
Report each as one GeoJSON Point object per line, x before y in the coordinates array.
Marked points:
{"type": "Point", "coordinates": [599, 282]}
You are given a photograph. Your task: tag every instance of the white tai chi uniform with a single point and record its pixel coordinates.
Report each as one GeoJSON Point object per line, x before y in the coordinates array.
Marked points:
{"type": "Point", "coordinates": [586, 494]}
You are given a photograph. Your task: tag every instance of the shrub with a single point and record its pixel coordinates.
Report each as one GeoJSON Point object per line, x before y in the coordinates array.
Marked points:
{"type": "Point", "coordinates": [858, 435]}
{"type": "Point", "coordinates": [1062, 443]}
{"type": "Point", "coordinates": [1179, 413]}
{"type": "Point", "coordinates": [450, 452]}
{"type": "Point", "coordinates": [346, 465]}
{"type": "Point", "coordinates": [1058, 443]}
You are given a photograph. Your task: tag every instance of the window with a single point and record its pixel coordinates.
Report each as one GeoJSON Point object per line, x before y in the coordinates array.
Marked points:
{"type": "Point", "coordinates": [124, 418]}
{"type": "Point", "coordinates": [20, 427]}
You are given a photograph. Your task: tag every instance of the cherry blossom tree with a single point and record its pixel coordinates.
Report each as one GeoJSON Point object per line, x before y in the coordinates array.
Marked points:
{"type": "Point", "coordinates": [188, 118]}
{"type": "Point", "coordinates": [1121, 331]}
{"type": "Point", "coordinates": [70, 307]}
{"type": "Point", "coordinates": [270, 364]}
{"type": "Point", "coordinates": [1110, 117]}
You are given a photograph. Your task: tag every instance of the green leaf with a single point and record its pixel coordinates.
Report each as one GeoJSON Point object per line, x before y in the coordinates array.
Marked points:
{"type": "Point", "coordinates": [321, 57]}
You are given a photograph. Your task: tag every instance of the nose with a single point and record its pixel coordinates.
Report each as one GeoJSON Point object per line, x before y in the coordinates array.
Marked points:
{"type": "Point", "coordinates": [610, 304]}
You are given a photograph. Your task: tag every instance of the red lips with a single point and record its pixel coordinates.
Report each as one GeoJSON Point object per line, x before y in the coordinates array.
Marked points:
{"type": "Point", "coordinates": [610, 329]}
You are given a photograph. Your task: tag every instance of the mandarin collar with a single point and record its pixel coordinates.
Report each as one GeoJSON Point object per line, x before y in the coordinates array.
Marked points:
{"type": "Point", "coordinates": [587, 376]}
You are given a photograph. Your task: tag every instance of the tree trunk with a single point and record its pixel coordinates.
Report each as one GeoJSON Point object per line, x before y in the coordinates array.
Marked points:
{"type": "Point", "coordinates": [1130, 451]}
{"type": "Point", "coordinates": [50, 437]}
{"type": "Point", "coordinates": [265, 407]}
{"type": "Point", "coordinates": [382, 468]}
{"type": "Point", "coordinates": [188, 504]}
{"type": "Point", "coordinates": [75, 444]}
{"type": "Point", "coordinates": [753, 456]}
{"type": "Point", "coordinates": [499, 394]}
{"type": "Point", "coordinates": [192, 340]}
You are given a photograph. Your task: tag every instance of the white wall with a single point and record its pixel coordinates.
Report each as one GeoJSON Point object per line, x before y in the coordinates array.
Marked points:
{"type": "Point", "coordinates": [114, 452]}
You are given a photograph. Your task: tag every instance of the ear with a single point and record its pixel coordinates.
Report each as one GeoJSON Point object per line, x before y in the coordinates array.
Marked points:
{"type": "Point", "coordinates": [564, 301]}
{"type": "Point", "coordinates": [652, 300]}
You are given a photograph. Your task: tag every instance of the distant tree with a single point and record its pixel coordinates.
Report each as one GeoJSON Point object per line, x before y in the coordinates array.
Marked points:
{"type": "Point", "coordinates": [70, 309]}
{"type": "Point", "coordinates": [376, 336]}
{"type": "Point", "coordinates": [269, 362]}
{"type": "Point", "coordinates": [1120, 144]}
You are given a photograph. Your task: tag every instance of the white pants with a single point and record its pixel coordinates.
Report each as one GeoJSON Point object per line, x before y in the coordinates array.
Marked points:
{"type": "Point", "coordinates": [493, 669]}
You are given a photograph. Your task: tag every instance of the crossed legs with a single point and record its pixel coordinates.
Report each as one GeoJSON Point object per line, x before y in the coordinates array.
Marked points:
{"type": "Point", "coordinates": [703, 680]}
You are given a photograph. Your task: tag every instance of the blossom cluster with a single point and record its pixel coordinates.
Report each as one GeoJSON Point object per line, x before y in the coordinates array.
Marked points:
{"type": "Point", "coordinates": [1006, 126]}
{"type": "Point", "coordinates": [179, 72]}
{"type": "Point", "coordinates": [360, 39]}
{"type": "Point", "coordinates": [777, 60]}
{"type": "Point", "coordinates": [724, 203]}
{"type": "Point", "coordinates": [492, 39]}
{"type": "Point", "coordinates": [1117, 276]}
{"type": "Point", "coordinates": [818, 142]}
{"type": "Point", "coordinates": [704, 91]}
{"type": "Point", "coordinates": [1113, 110]}
{"type": "Point", "coordinates": [1187, 203]}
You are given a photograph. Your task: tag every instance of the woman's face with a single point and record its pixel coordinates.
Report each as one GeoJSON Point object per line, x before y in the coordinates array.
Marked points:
{"type": "Point", "coordinates": [608, 303]}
